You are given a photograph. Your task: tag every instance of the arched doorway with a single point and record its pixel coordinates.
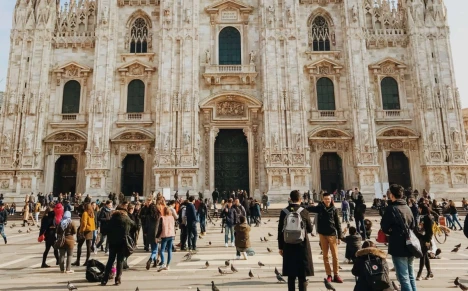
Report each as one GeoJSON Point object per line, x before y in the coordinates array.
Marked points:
{"type": "Point", "coordinates": [398, 169]}
{"type": "Point", "coordinates": [132, 175]}
{"type": "Point", "coordinates": [65, 175]}
{"type": "Point", "coordinates": [231, 161]}
{"type": "Point", "coordinates": [331, 172]}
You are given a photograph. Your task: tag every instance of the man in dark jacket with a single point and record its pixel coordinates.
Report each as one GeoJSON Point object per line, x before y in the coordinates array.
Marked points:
{"type": "Point", "coordinates": [359, 215]}
{"type": "Point", "coordinates": [103, 219]}
{"type": "Point", "coordinates": [329, 230]}
{"type": "Point", "coordinates": [229, 215]}
{"type": "Point", "coordinates": [144, 212]}
{"type": "Point", "coordinates": [3, 221]}
{"type": "Point", "coordinates": [297, 258]}
{"type": "Point", "coordinates": [215, 195]}
{"type": "Point", "coordinates": [391, 225]}
{"type": "Point", "coordinates": [191, 214]}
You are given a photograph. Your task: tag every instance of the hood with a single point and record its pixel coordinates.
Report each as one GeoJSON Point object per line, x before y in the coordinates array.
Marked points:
{"type": "Point", "coordinates": [242, 226]}
{"type": "Point", "coordinates": [371, 251]}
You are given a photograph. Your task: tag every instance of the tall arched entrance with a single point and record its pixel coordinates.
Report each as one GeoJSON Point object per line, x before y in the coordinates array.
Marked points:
{"type": "Point", "coordinates": [398, 169]}
{"type": "Point", "coordinates": [231, 161]}
{"type": "Point", "coordinates": [133, 168]}
{"type": "Point", "coordinates": [65, 175]}
{"type": "Point", "coordinates": [331, 172]}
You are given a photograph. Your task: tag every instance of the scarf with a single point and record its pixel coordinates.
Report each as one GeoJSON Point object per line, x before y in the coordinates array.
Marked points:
{"type": "Point", "coordinates": [66, 220]}
{"type": "Point", "coordinates": [58, 210]}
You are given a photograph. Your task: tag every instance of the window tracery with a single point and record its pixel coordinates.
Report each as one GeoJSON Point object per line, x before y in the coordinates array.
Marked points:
{"type": "Point", "coordinates": [320, 34]}
{"type": "Point", "coordinates": [139, 36]}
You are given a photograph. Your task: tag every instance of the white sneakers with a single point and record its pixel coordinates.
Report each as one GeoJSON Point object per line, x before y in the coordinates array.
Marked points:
{"type": "Point", "coordinates": [232, 244]}
{"type": "Point", "coordinates": [226, 245]}
{"type": "Point", "coordinates": [244, 256]}
{"type": "Point", "coordinates": [238, 257]}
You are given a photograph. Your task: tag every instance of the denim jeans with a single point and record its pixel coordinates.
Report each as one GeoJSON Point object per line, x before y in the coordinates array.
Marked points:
{"type": "Point", "coordinates": [192, 235]}
{"type": "Point", "coordinates": [202, 223]}
{"type": "Point", "coordinates": [113, 255]}
{"type": "Point", "coordinates": [228, 229]}
{"type": "Point", "coordinates": [250, 252]}
{"type": "Point", "coordinates": [95, 234]}
{"type": "Point", "coordinates": [449, 220]}
{"type": "Point", "coordinates": [345, 216]}
{"type": "Point", "coordinates": [2, 231]}
{"type": "Point", "coordinates": [361, 228]}
{"type": "Point", "coordinates": [455, 219]}
{"type": "Point", "coordinates": [405, 272]}
{"type": "Point", "coordinates": [154, 251]}
{"type": "Point", "coordinates": [166, 242]}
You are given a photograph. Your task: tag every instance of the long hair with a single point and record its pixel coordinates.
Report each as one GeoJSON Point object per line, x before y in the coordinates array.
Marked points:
{"type": "Point", "coordinates": [89, 209]}
{"type": "Point", "coordinates": [153, 211]}
{"type": "Point", "coordinates": [58, 210]}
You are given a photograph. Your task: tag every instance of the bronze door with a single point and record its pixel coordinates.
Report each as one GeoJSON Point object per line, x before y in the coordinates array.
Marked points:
{"type": "Point", "coordinates": [231, 161]}
{"type": "Point", "coordinates": [331, 172]}
{"type": "Point", "coordinates": [132, 175]}
{"type": "Point", "coordinates": [65, 175]}
{"type": "Point", "coordinates": [398, 169]}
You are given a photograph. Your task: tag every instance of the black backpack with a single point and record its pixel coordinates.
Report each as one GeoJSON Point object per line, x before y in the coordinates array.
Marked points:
{"type": "Point", "coordinates": [376, 275]}
{"type": "Point", "coordinates": [95, 271]}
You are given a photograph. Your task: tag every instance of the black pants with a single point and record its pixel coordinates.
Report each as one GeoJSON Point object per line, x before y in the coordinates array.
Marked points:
{"type": "Point", "coordinates": [101, 241]}
{"type": "Point", "coordinates": [424, 260]}
{"type": "Point", "coordinates": [88, 249]}
{"type": "Point", "coordinates": [114, 253]}
{"type": "Point", "coordinates": [192, 235]}
{"type": "Point", "coordinates": [183, 236]}
{"type": "Point", "coordinates": [48, 245]}
{"type": "Point", "coordinates": [292, 283]}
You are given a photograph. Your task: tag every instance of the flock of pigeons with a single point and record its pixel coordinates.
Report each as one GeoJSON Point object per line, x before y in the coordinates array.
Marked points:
{"type": "Point", "coordinates": [29, 230]}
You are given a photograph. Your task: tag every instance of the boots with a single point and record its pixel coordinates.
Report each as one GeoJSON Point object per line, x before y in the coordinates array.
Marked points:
{"type": "Point", "coordinates": [155, 263]}
{"type": "Point", "coordinates": [76, 263]}
{"type": "Point", "coordinates": [148, 264]}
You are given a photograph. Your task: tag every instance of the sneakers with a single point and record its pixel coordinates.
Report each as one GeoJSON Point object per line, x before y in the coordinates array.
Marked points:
{"type": "Point", "coordinates": [337, 279]}
{"type": "Point", "coordinates": [329, 278]}
{"type": "Point", "coordinates": [69, 272]}
{"type": "Point", "coordinates": [244, 256]}
{"type": "Point", "coordinates": [232, 244]}
{"type": "Point", "coordinates": [429, 276]}
{"type": "Point", "coordinates": [237, 257]}
{"type": "Point", "coordinates": [226, 245]}
{"type": "Point", "coordinates": [418, 278]}
{"type": "Point", "coordinates": [106, 253]}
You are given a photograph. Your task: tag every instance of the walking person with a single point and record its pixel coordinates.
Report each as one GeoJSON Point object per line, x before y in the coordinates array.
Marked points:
{"type": "Point", "coordinates": [48, 229]}
{"type": "Point", "coordinates": [166, 235]}
{"type": "Point", "coordinates": [3, 221]}
{"type": "Point", "coordinates": [215, 196]}
{"type": "Point", "coordinates": [37, 211]}
{"type": "Point", "coordinates": [265, 202]}
{"type": "Point", "coordinates": [425, 235]}
{"type": "Point", "coordinates": [297, 256]}
{"type": "Point", "coordinates": [153, 222]}
{"type": "Point", "coordinates": [229, 216]}
{"type": "Point", "coordinates": [345, 210]}
{"type": "Point", "coordinates": [359, 215]}
{"type": "Point", "coordinates": [67, 230]}
{"type": "Point", "coordinates": [182, 219]}
{"type": "Point", "coordinates": [120, 226]}
{"type": "Point", "coordinates": [202, 213]}
{"type": "Point", "coordinates": [103, 220]}
{"type": "Point", "coordinates": [390, 224]}
{"type": "Point", "coordinates": [191, 214]}
{"type": "Point", "coordinates": [329, 230]}
{"type": "Point", "coordinates": [454, 214]}
{"type": "Point", "coordinates": [87, 227]}
{"type": "Point", "coordinates": [26, 214]}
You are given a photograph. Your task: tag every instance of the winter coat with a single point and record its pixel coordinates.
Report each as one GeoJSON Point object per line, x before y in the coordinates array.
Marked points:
{"type": "Point", "coordinates": [87, 223]}
{"type": "Point", "coordinates": [230, 216]}
{"type": "Point", "coordinates": [328, 221]}
{"type": "Point", "coordinates": [297, 258]}
{"type": "Point", "coordinates": [191, 214]}
{"type": "Point", "coordinates": [425, 232]}
{"type": "Point", "coordinates": [69, 233]}
{"type": "Point", "coordinates": [359, 267]}
{"type": "Point", "coordinates": [3, 216]}
{"type": "Point", "coordinates": [246, 205]}
{"type": "Point", "coordinates": [390, 225]}
{"type": "Point", "coordinates": [26, 212]}
{"type": "Point", "coordinates": [152, 227]}
{"type": "Point", "coordinates": [242, 235]}
{"type": "Point", "coordinates": [360, 210]}
{"type": "Point", "coordinates": [48, 227]}
{"type": "Point", "coordinates": [120, 226]}
{"type": "Point", "coordinates": [167, 227]}
{"type": "Point", "coordinates": [104, 218]}
{"type": "Point", "coordinates": [344, 206]}
{"type": "Point", "coordinates": [353, 244]}
{"type": "Point", "coordinates": [265, 199]}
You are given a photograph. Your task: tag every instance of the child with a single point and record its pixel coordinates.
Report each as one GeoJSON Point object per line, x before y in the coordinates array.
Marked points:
{"type": "Point", "coordinates": [353, 244]}
{"type": "Point", "coordinates": [242, 239]}
{"type": "Point", "coordinates": [378, 273]}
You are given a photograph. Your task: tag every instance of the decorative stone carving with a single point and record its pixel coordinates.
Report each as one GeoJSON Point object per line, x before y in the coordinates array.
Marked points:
{"type": "Point", "coordinates": [230, 108]}
{"type": "Point", "coordinates": [459, 179]}
{"type": "Point", "coordinates": [4, 184]}
{"type": "Point", "coordinates": [95, 183]}
{"type": "Point", "coordinates": [187, 182]}
{"type": "Point", "coordinates": [165, 182]}
{"type": "Point", "coordinates": [277, 181]}
{"type": "Point", "coordinates": [6, 143]}
{"type": "Point", "coordinates": [25, 183]}
{"type": "Point", "coordinates": [208, 57]}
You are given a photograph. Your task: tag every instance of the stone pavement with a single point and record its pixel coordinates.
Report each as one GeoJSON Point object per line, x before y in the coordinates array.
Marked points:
{"type": "Point", "coordinates": [20, 262]}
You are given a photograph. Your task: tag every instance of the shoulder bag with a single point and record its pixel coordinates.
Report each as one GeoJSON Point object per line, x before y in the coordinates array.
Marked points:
{"type": "Point", "coordinates": [412, 242]}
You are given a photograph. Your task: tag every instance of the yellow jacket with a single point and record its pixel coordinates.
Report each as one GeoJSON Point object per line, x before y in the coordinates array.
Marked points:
{"type": "Point", "coordinates": [87, 223]}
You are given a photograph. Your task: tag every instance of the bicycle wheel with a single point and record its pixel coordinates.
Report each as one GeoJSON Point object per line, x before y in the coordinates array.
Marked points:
{"type": "Point", "coordinates": [440, 236]}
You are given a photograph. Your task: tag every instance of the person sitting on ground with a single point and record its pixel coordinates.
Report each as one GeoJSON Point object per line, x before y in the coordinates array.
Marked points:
{"type": "Point", "coordinates": [367, 259]}
{"type": "Point", "coordinates": [353, 244]}
{"type": "Point", "coordinates": [242, 239]}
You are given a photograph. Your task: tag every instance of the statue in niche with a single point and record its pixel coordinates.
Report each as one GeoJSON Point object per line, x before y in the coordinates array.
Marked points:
{"type": "Point", "coordinates": [450, 102]}
{"type": "Point", "coordinates": [289, 15]}
{"type": "Point", "coordinates": [433, 137]}
{"type": "Point", "coordinates": [166, 141]}
{"type": "Point", "coordinates": [28, 141]}
{"type": "Point", "coordinates": [99, 102]}
{"type": "Point", "coordinates": [187, 140]}
{"type": "Point", "coordinates": [208, 57]}
{"type": "Point", "coordinates": [298, 141]}
{"type": "Point", "coordinates": [6, 142]}
{"type": "Point", "coordinates": [105, 15]}
{"type": "Point", "coordinates": [188, 15]}
{"type": "Point", "coordinates": [32, 104]}
{"type": "Point", "coordinates": [167, 15]}
{"type": "Point", "coordinates": [457, 98]}
{"type": "Point", "coordinates": [97, 140]}
{"type": "Point", "coordinates": [354, 13]}
{"type": "Point", "coordinates": [456, 137]}
{"type": "Point", "coordinates": [252, 57]}
{"type": "Point", "coordinates": [275, 141]}
{"type": "Point", "coordinates": [271, 14]}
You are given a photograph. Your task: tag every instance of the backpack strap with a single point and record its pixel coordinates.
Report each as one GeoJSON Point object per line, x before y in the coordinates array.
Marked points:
{"type": "Point", "coordinates": [286, 211]}
{"type": "Point", "coordinates": [299, 210]}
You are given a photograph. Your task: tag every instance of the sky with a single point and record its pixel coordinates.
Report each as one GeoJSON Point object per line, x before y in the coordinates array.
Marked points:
{"type": "Point", "coordinates": [457, 15]}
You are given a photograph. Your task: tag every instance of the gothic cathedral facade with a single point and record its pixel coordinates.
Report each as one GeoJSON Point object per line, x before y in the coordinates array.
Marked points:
{"type": "Point", "coordinates": [262, 95]}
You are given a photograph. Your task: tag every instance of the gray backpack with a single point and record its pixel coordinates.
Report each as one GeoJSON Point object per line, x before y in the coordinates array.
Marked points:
{"type": "Point", "coordinates": [294, 228]}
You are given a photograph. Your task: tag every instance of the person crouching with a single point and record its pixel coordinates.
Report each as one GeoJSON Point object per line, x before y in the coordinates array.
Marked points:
{"type": "Point", "coordinates": [242, 239]}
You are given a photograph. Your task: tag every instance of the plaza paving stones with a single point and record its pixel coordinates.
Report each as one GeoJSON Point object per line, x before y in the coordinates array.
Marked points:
{"type": "Point", "coordinates": [20, 262]}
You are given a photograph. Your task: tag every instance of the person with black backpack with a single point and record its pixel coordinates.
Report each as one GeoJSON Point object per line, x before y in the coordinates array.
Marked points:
{"type": "Point", "coordinates": [371, 268]}
{"type": "Point", "coordinates": [293, 243]}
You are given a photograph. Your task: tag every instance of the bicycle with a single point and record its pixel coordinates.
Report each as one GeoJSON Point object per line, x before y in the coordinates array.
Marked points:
{"type": "Point", "coordinates": [440, 233]}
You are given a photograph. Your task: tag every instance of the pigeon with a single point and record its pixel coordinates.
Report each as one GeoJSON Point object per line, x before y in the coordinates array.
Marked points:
{"type": "Point", "coordinates": [277, 272]}
{"type": "Point", "coordinates": [456, 282]}
{"type": "Point", "coordinates": [137, 289]}
{"type": "Point", "coordinates": [457, 246]}
{"type": "Point", "coordinates": [207, 264]}
{"type": "Point", "coordinates": [455, 250]}
{"type": "Point", "coordinates": [269, 250]}
{"type": "Point", "coordinates": [222, 272]}
{"type": "Point", "coordinates": [233, 269]}
{"type": "Point", "coordinates": [395, 287]}
{"type": "Point", "coordinates": [14, 224]}
{"type": "Point", "coordinates": [463, 287]}
{"type": "Point", "coordinates": [209, 243]}
{"type": "Point", "coordinates": [188, 257]}
{"type": "Point", "coordinates": [265, 239]}
{"type": "Point", "coordinates": [268, 220]}
{"type": "Point", "coordinates": [251, 275]}
{"type": "Point", "coordinates": [261, 264]}
{"type": "Point", "coordinates": [28, 231]}
{"type": "Point", "coordinates": [71, 287]}
{"type": "Point", "coordinates": [227, 263]}
{"type": "Point", "coordinates": [20, 231]}
{"type": "Point", "coordinates": [261, 239]}
{"type": "Point", "coordinates": [198, 289]}
{"type": "Point", "coordinates": [328, 285]}
{"type": "Point", "coordinates": [200, 237]}
{"type": "Point", "coordinates": [438, 252]}
{"type": "Point", "coordinates": [280, 278]}
{"type": "Point", "coordinates": [11, 226]}
{"type": "Point", "coordinates": [213, 287]}
{"type": "Point", "coordinates": [269, 234]}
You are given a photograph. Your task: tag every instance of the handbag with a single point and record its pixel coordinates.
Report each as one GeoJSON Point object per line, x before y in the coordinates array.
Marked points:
{"type": "Point", "coordinates": [128, 246]}
{"type": "Point", "coordinates": [59, 242]}
{"type": "Point", "coordinates": [41, 238]}
{"type": "Point", "coordinates": [382, 237]}
{"type": "Point", "coordinates": [412, 241]}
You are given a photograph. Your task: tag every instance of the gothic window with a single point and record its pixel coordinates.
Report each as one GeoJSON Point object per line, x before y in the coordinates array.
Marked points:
{"type": "Point", "coordinates": [320, 34]}
{"type": "Point", "coordinates": [71, 97]}
{"type": "Point", "coordinates": [229, 46]}
{"type": "Point", "coordinates": [136, 97]}
{"type": "Point", "coordinates": [139, 36]}
{"type": "Point", "coordinates": [325, 94]}
{"type": "Point", "coordinates": [390, 95]}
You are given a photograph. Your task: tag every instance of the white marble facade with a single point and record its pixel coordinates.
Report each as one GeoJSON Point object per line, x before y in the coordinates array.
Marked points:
{"type": "Point", "coordinates": [271, 94]}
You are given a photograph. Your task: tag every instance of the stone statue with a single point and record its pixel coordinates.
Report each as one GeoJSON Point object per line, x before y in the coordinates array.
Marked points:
{"type": "Point", "coordinates": [6, 142]}
{"type": "Point", "coordinates": [450, 102]}
{"type": "Point", "coordinates": [252, 57]}
{"type": "Point", "coordinates": [97, 140]}
{"type": "Point", "coordinates": [32, 104]}
{"type": "Point", "coordinates": [28, 141]}
{"type": "Point", "coordinates": [456, 137]}
{"type": "Point", "coordinates": [354, 13]}
{"type": "Point", "coordinates": [271, 14]}
{"type": "Point", "coordinates": [298, 141]}
{"type": "Point", "coordinates": [187, 139]}
{"type": "Point", "coordinates": [432, 137]}
{"type": "Point", "coordinates": [166, 141]}
{"type": "Point", "coordinates": [167, 15]}
{"type": "Point", "coordinates": [188, 15]}
{"type": "Point", "coordinates": [197, 144]}
{"type": "Point", "coordinates": [99, 102]}
{"type": "Point", "coordinates": [275, 141]}
{"type": "Point", "coordinates": [105, 15]}
{"type": "Point", "coordinates": [208, 57]}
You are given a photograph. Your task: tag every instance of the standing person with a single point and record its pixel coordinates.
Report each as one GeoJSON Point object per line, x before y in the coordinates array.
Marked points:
{"type": "Point", "coordinates": [26, 214]}
{"type": "Point", "coordinates": [137, 221]}
{"type": "Point", "coordinates": [67, 230]}
{"type": "Point", "coordinates": [242, 239]}
{"type": "Point", "coordinates": [120, 226]}
{"type": "Point", "coordinates": [191, 214]}
{"type": "Point", "coordinates": [329, 230]}
{"type": "Point", "coordinates": [215, 195]}
{"type": "Point", "coordinates": [96, 224]}
{"type": "Point", "coordinates": [345, 210]}
{"type": "Point", "coordinates": [229, 216]}
{"type": "Point", "coordinates": [265, 202]}
{"type": "Point", "coordinates": [144, 212]}
{"type": "Point", "coordinates": [390, 224]}
{"type": "Point", "coordinates": [48, 229]}
{"type": "Point", "coordinates": [183, 225]}
{"type": "Point", "coordinates": [87, 227]}
{"type": "Point", "coordinates": [153, 222]}
{"type": "Point", "coordinates": [3, 221]}
{"type": "Point", "coordinates": [359, 215]}
{"type": "Point", "coordinates": [13, 208]}
{"type": "Point", "coordinates": [352, 207]}
{"type": "Point", "coordinates": [37, 211]}
{"type": "Point", "coordinates": [454, 213]}
{"type": "Point", "coordinates": [297, 258]}
{"type": "Point", "coordinates": [166, 234]}
{"type": "Point", "coordinates": [202, 213]}
{"type": "Point", "coordinates": [103, 219]}
{"type": "Point", "coordinates": [246, 204]}
{"type": "Point", "coordinates": [425, 235]}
